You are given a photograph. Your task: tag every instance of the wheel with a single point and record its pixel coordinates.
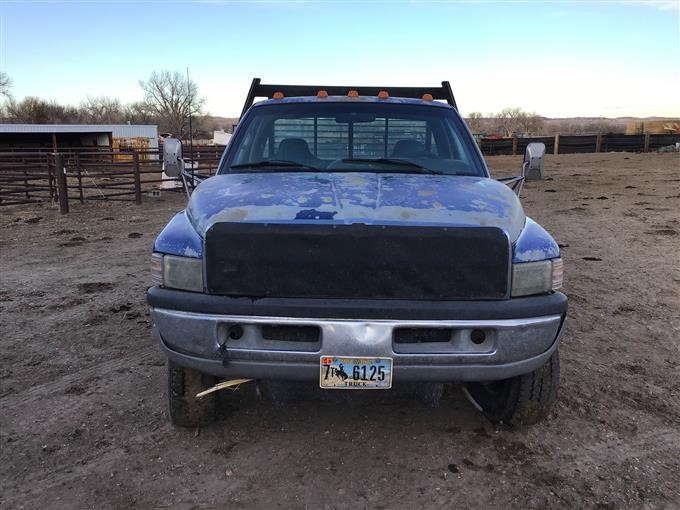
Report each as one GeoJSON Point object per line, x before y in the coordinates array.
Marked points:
{"type": "Point", "coordinates": [185, 409]}
{"type": "Point", "coordinates": [522, 400]}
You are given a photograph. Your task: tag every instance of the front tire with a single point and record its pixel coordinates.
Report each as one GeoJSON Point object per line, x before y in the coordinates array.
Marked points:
{"type": "Point", "coordinates": [521, 400]}
{"type": "Point", "coordinates": [185, 409]}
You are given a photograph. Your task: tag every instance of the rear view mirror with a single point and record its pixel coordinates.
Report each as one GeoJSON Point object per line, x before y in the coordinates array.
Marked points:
{"type": "Point", "coordinates": [173, 164]}
{"type": "Point", "coordinates": [532, 167]}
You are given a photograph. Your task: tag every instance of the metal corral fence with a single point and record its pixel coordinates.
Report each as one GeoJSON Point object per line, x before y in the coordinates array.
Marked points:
{"type": "Point", "coordinates": [572, 144]}
{"type": "Point", "coordinates": [90, 175]}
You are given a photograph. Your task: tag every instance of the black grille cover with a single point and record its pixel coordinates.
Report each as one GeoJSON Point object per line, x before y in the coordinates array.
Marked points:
{"type": "Point", "coordinates": [356, 261]}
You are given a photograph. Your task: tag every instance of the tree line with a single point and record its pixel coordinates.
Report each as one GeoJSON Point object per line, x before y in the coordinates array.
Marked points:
{"type": "Point", "coordinates": [167, 99]}
{"type": "Point", "coordinates": [516, 122]}
{"type": "Point", "coordinates": [507, 122]}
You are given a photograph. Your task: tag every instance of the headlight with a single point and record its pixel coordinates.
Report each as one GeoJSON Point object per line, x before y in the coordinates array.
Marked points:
{"type": "Point", "coordinates": [536, 277]}
{"type": "Point", "coordinates": [174, 272]}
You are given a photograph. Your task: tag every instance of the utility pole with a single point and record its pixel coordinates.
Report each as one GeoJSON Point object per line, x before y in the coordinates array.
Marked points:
{"type": "Point", "coordinates": [191, 131]}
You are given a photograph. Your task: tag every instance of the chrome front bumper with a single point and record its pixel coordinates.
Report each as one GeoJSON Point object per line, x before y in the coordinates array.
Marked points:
{"type": "Point", "coordinates": [509, 346]}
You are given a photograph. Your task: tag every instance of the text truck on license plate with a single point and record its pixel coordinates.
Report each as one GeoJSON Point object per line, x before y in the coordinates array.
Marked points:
{"type": "Point", "coordinates": [355, 373]}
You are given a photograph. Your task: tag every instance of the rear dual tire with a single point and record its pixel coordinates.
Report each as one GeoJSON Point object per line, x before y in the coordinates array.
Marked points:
{"type": "Point", "coordinates": [522, 400]}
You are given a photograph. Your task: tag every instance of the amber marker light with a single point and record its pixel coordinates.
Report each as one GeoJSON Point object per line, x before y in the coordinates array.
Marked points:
{"type": "Point", "coordinates": [427, 97]}
{"type": "Point", "coordinates": [322, 93]}
{"type": "Point", "coordinates": [383, 94]}
{"type": "Point", "coordinates": [278, 95]}
{"type": "Point", "coordinates": [353, 93]}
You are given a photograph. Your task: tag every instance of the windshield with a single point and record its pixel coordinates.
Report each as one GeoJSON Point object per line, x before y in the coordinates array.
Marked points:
{"type": "Point", "coordinates": [353, 137]}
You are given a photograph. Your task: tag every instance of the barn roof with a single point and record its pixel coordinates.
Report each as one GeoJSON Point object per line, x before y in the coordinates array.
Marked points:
{"type": "Point", "coordinates": [117, 130]}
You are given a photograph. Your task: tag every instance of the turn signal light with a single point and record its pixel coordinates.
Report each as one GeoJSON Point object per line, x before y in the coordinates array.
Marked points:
{"type": "Point", "coordinates": [157, 269]}
{"type": "Point", "coordinates": [557, 274]}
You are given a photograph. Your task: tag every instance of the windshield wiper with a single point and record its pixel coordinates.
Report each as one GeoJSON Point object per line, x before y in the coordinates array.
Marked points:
{"type": "Point", "coordinates": [275, 163]}
{"type": "Point", "coordinates": [392, 161]}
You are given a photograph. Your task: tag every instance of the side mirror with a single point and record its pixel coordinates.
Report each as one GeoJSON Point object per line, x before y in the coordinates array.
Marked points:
{"type": "Point", "coordinates": [173, 164]}
{"type": "Point", "coordinates": [532, 167]}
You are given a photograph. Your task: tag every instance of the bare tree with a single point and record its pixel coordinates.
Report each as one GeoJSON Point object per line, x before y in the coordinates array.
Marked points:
{"type": "Point", "coordinates": [34, 110]}
{"type": "Point", "coordinates": [102, 110]}
{"type": "Point", "coordinates": [532, 124]}
{"type": "Point", "coordinates": [476, 122]}
{"type": "Point", "coordinates": [169, 97]}
{"type": "Point", "coordinates": [138, 113]}
{"type": "Point", "coordinates": [515, 121]}
{"type": "Point", "coordinates": [5, 84]}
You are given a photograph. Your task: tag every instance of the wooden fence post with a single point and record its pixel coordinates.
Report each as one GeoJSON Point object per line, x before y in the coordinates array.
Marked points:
{"type": "Point", "coordinates": [514, 145]}
{"type": "Point", "coordinates": [59, 170]}
{"type": "Point", "coordinates": [646, 147]}
{"type": "Point", "coordinates": [557, 144]}
{"type": "Point", "coordinates": [598, 143]}
{"type": "Point", "coordinates": [138, 180]}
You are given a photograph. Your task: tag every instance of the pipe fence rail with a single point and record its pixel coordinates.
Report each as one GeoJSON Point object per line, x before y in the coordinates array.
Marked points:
{"type": "Point", "coordinates": [26, 178]}
{"type": "Point", "coordinates": [100, 174]}
{"type": "Point", "coordinates": [91, 175]}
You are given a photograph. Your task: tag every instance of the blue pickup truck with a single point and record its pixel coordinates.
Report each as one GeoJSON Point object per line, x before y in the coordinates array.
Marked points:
{"type": "Point", "coordinates": [353, 238]}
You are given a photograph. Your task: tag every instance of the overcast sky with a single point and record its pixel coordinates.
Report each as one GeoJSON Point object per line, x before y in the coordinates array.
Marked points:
{"type": "Point", "coordinates": [557, 58]}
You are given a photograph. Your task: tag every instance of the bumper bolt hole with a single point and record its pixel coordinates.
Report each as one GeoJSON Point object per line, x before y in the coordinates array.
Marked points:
{"type": "Point", "coordinates": [477, 336]}
{"type": "Point", "coordinates": [235, 332]}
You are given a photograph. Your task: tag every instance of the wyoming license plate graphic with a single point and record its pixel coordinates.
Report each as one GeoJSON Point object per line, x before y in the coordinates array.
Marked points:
{"type": "Point", "coordinates": [355, 373]}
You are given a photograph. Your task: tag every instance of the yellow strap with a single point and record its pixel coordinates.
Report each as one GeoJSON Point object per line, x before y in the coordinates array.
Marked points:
{"type": "Point", "coordinates": [222, 385]}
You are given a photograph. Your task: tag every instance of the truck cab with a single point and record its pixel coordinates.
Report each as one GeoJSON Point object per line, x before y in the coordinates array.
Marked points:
{"type": "Point", "coordinates": [353, 238]}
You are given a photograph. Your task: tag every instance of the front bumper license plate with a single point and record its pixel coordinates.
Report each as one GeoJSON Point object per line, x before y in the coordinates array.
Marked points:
{"type": "Point", "coordinates": [355, 373]}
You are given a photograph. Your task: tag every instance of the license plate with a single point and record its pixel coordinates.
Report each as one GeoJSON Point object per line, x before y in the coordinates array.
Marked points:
{"type": "Point", "coordinates": [355, 373]}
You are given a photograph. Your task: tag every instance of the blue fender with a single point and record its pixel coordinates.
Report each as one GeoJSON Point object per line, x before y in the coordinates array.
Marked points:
{"type": "Point", "coordinates": [533, 244]}
{"type": "Point", "coordinates": [179, 238]}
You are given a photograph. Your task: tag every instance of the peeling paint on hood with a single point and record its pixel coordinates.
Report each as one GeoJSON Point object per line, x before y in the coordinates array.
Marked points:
{"type": "Point", "coordinates": [370, 198]}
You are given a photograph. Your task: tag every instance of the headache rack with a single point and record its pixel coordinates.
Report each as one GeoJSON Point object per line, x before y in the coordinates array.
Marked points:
{"type": "Point", "coordinates": [258, 89]}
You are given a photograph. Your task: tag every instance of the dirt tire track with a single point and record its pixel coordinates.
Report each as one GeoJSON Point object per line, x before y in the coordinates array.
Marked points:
{"type": "Point", "coordinates": [13, 401]}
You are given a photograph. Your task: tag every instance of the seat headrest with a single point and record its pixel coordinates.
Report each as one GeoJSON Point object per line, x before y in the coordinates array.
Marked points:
{"type": "Point", "coordinates": [408, 147]}
{"type": "Point", "coordinates": [294, 149]}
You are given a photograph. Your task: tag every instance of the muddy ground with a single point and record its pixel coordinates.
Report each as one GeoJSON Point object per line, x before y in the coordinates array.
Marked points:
{"type": "Point", "coordinates": [82, 400]}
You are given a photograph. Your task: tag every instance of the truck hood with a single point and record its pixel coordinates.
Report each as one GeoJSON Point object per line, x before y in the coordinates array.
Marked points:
{"type": "Point", "coordinates": [345, 198]}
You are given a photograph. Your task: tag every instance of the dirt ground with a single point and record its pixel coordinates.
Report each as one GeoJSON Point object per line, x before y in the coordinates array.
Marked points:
{"type": "Point", "coordinates": [82, 386]}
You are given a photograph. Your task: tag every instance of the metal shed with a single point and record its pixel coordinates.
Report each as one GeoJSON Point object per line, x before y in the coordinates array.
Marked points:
{"type": "Point", "coordinates": [73, 136]}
